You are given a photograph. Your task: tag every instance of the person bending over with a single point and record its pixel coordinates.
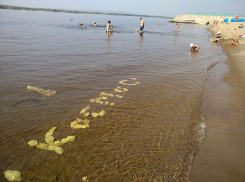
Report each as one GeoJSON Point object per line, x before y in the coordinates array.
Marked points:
{"type": "Point", "coordinates": [234, 41]}
{"type": "Point", "coordinates": [216, 40]}
{"type": "Point", "coordinates": [218, 36]}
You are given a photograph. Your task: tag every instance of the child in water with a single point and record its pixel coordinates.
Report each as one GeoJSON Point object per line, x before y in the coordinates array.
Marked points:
{"type": "Point", "coordinates": [194, 48]}
{"type": "Point", "coordinates": [108, 27]}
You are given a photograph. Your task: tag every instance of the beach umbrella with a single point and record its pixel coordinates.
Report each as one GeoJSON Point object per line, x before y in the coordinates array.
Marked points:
{"type": "Point", "coordinates": [236, 17]}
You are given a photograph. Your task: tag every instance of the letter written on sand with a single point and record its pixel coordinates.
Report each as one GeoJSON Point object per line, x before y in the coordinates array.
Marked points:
{"type": "Point", "coordinates": [123, 82]}
{"type": "Point", "coordinates": [55, 145]}
{"type": "Point", "coordinates": [46, 93]}
{"type": "Point", "coordinates": [51, 144]}
{"type": "Point", "coordinates": [75, 124]}
{"type": "Point", "coordinates": [84, 109]}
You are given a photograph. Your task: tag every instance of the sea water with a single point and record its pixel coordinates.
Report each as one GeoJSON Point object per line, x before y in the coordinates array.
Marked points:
{"type": "Point", "coordinates": [151, 133]}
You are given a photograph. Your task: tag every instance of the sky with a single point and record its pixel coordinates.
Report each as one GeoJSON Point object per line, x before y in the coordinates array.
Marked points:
{"type": "Point", "coordinates": [170, 8]}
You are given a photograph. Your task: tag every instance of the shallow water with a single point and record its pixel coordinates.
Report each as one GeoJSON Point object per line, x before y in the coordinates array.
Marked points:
{"type": "Point", "coordinates": [152, 133]}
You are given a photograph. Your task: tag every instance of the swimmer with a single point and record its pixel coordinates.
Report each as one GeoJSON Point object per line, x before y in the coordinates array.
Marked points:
{"type": "Point", "coordinates": [81, 24]}
{"type": "Point", "coordinates": [95, 25]}
{"type": "Point", "coordinates": [159, 23]}
{"type": "Point", "coordinates": [194, 48]}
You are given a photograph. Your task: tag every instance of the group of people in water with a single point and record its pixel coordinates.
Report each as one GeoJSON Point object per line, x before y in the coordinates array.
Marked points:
{"type": "Point", "coordinates": [142, 25]}
{"type": "Point", "coordinates": [159, 23]}
{"type": "Point", "coordinates": [194, 48]}
{"type": "Point", "coordinates": [110, 28]}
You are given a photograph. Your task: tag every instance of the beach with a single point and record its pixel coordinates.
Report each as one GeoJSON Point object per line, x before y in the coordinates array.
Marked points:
{"type": "Point", "coordinates": [221, 155]}
{"type": "Point", "coordinates": [119, 106]}
{"type": "Point", "coordinates": [236, 52]}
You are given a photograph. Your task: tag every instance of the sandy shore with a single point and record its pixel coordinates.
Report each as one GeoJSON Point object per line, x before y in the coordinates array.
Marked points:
{"type": "Point", "coordinates": [236, 52]}
{"type": "Point", "coordinates": [222, 155]}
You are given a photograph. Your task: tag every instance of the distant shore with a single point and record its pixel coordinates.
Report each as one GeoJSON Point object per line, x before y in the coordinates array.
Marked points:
{"type": "Point", "coordinates": [221, 157]}
{"type": "Point", "coordinates": [75, 11]}
{"type": "Point", "coordinates": [201, 19]}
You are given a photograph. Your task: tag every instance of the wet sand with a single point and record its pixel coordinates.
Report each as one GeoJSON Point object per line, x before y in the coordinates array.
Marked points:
{"type": "Point", "coordinates": [222, 155]}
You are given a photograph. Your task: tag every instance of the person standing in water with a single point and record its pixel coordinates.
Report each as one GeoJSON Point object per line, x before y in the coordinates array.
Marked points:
{"type": "Point", "coordinates": [142, 24]}
{"type": "Point", "coordinates": [176, 26]}
{"type": "Point", "coordinates": [108, 27]}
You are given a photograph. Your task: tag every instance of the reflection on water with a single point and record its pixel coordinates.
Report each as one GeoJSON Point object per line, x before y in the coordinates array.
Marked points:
{"type": "Point", "coordinates": [108, 35]}
{"type": "Point", "coordinates": [150, 132]}
{"type": "Point", "coordinates": [140, 40]}
{"type": "Point", "coordinates": [193, 55]}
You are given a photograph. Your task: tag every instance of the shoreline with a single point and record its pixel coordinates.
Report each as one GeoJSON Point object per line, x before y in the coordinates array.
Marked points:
{"type": "Point", "coordinates": [221, 155]}
{"type": "Point", "coordinates": [9, 7]}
